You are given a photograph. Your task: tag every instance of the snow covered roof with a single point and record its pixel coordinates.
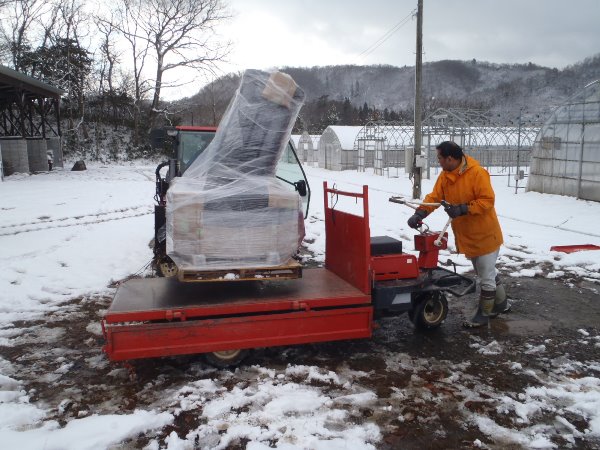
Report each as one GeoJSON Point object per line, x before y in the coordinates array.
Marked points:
{"type": "Point", "coordinates": [345, 134]}
{"type": "Point", "coordinates": [311, 139]}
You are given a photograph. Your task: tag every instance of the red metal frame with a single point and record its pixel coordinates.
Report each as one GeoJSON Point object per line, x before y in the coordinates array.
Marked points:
{"type": "Point", "coordinates": [348, 240]}
{"type": "Point", "coordinates": [211, 335]}
{"type": "Point", "coordinates": [428, 251]}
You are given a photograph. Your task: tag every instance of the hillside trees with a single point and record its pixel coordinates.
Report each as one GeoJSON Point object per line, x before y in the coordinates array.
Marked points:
{"type": "Point", "coordinates": [115, 61]}
{"type": "Point", "coordinates": [316, 115]}
{"type": "Point", "coordinates": [48, 42]}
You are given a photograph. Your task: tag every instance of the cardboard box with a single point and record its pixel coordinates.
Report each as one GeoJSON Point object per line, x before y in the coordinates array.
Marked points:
{"type": "Point", "coordinates": [280, 88]}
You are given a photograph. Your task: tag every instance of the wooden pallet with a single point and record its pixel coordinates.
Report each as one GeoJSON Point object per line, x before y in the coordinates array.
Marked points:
{"type": "Point", "coordinates": [292, 269]}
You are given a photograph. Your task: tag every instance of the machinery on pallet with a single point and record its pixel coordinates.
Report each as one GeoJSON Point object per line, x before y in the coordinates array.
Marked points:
{"type": "Point", "coordinates": [187, 144]}
{"type": "Point", "coordinates": [364, 278]}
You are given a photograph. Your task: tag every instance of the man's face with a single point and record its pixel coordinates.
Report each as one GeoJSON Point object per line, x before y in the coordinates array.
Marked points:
{"type": "Point", "coordinates": [447, 163]}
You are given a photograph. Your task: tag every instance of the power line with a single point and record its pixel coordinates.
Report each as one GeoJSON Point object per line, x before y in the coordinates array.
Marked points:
{"type": "Point", "coordinates": [387, 35]}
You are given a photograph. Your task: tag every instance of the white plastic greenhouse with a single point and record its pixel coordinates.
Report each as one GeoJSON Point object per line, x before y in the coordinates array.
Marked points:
{"type": "Point", "coordinates": [566, 153]}
{"type": "Point", "coordinates": [337, 149]}
{"type": "Point", "coordinates": [308, 146]}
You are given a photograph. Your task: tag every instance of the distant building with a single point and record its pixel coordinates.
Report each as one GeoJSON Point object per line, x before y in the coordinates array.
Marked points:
{"type": "Point", "coordinates": [29, 123]}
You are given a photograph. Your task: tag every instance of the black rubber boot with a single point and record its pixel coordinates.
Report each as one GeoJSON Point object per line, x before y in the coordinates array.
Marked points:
{"type": "Point", "coordinates": [501, 303]}
{"type": "Point", "coordinates": [481, 317]}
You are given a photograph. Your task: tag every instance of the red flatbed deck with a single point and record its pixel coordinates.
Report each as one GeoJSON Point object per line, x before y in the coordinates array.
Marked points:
{"type": "Point", "coordinates": [162, 316]}
{"type": "Point", "coordinates": [165, 298]}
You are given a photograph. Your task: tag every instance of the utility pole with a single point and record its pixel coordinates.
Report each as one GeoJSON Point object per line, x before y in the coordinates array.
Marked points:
{"type": "Point", "coordinates": [417, 175]}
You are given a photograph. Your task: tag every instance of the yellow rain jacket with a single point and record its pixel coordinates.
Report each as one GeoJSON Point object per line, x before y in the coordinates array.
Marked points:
{"type": "Point", "coordinates": [478, 232]}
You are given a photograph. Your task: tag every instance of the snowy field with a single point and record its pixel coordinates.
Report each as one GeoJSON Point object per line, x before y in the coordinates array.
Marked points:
{"type": "Point", "coordinates": [67, 238]}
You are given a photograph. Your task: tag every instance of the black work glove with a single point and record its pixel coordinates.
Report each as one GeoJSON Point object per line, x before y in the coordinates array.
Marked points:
{"type": "Point", "coordinates": [455, 211]}
{"type": "Point", "coordinates": [416, 220]}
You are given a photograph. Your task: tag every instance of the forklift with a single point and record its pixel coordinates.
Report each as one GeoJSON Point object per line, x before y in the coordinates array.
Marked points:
{"type": "Point", "coordinates": [363, 279]}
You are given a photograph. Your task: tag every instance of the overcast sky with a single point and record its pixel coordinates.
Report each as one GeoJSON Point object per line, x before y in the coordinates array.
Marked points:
{"type": "Point", "coordinates": [275, 33]}
{"type": "Point", "coordinates": [551, 33]}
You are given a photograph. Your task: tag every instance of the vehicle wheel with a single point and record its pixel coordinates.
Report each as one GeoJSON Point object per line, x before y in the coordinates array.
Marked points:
{"type": "Point", "coordinates": [166, 267]}
{"type": "Point", "coordinates": [430, 311]}
{"type": "Point", "coordinates": [226, 358]}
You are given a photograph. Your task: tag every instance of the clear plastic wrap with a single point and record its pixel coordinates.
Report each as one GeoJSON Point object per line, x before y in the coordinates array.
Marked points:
{"type": "Point", "coordinates": [228, 210]}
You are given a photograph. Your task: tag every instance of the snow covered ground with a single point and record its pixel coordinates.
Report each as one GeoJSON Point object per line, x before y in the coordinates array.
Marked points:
{"type": "Point", "coordinates": [67, 237]}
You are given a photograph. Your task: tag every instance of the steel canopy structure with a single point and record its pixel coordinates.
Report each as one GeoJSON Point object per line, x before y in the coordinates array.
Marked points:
{"type": "Point", "coordinates": [29, 108]}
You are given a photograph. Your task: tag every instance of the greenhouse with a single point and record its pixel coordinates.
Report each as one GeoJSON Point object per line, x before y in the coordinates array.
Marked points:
{"type": "Point", "coordinates": [566, 152]}
{"type": "Point", "coordinates": [337, 150]}
{"type": "Point", "coordinates": [308, 146]}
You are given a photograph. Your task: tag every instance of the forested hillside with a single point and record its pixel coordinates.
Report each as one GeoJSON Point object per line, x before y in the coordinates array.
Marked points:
{"type": "Point", "coordinates": [350, 95]}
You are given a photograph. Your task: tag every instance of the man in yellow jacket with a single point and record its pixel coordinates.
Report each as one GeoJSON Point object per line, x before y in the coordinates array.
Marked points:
{"type": "Point", "coordinates": [467, 189]}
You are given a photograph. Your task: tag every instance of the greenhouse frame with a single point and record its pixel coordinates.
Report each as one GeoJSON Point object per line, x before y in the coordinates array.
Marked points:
{"type": "Point", "coordinates": [384, 144]}
{"type": "Point", "coordinates": [493, 144]}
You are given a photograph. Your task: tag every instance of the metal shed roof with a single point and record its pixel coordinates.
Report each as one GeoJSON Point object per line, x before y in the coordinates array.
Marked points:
{"type": "Point", "coordinates": [13, 82]}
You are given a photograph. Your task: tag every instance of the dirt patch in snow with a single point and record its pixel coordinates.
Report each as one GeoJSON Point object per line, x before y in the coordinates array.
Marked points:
{"type": "Point", "coordinates": [430, 388]}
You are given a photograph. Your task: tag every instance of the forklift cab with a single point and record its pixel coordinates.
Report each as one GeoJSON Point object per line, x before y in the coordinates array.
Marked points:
{"type": "Point", "coordinates": [190, 144]}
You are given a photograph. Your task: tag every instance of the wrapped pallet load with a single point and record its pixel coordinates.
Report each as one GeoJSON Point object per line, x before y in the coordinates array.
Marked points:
{"type": "Point", "coordinates": [228, 210]}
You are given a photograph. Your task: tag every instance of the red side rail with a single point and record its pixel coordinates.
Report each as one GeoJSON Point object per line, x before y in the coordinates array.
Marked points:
{"type": "Point", "coordinates": [147, 340]}
{"type": "Point", "coordinates": [348, 240]}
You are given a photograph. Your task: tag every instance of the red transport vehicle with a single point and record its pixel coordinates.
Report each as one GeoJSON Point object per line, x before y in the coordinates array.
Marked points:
{"type": "Point", "coordinates": [364, 278]}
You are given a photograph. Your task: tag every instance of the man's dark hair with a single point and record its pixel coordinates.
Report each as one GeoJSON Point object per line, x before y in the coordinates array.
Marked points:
{"type": "Point", "coordinates": [449, 148]}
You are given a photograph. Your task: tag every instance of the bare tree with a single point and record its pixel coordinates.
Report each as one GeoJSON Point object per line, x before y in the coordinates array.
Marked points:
{"type": "Point", "coordinates": [109, 58]}
{"type": "Point", "coordinates": [72, 29]}
{"type": "Point", "coordinates": [124, 20]}
{"type": "Point", "coordinates": [18, 26]}
{"type": "Point", "coordinates": [181, 33]}
{"type": "Point", "coordinates": [48, 26]}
